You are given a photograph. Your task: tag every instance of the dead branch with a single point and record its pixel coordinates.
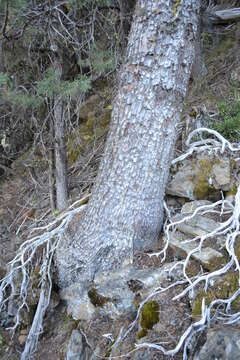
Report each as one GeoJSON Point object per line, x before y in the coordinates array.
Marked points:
{"type": "Point", "coordinates": [223, 16]}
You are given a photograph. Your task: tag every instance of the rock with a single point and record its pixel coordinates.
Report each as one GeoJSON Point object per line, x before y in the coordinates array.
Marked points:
{"type": "Point", "coordinates": [78, 303]}
{"type": "Point", "coordinates": [54, 301]}
{"type": "Point", "coordinates": [191, 206]}
{"type": "Point", "coordinates": [221, 344]}
{"type": "Point", "coordinates": [197, 226]}
{"type": "Point", "coordinates": [145, 354]}
{"type": "Point", "coordinates": [182, 184]}
{"type": "Point", "coordinates": [182, 249]}
{"type": "Point", "coordinates": [22, 339]}
{"type": "Point", "coordinates": [77, 347]}
{"type": "Point", "coordinates": [222, 174]}
{"type": "Point", "coordinates": [201, 178]}
{"type": "Point", "coordinates": [112, 293]}
{"type": "Point", "coordinates": [24, 331]}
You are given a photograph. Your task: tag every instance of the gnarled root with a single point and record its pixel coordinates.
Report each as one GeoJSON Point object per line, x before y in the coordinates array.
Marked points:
{"type": "Point", "coordinates": [35, 253]}
{"type": "Point", "coordinates": [230, 229]}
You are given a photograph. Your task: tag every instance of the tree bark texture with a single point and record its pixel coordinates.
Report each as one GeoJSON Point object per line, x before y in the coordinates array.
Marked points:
{"type": "Point", "coordinates": [125, 213]}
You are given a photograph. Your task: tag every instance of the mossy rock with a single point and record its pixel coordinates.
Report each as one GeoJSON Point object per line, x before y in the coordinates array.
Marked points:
{"type": "Point", "coordinates": [92, 128]}
{"type": "Point", "coordinates": [142, 333]}
{"type": "Point", "coordinates": [216, 263]}
{"type": "Point", "coordinates": [222, 289]}
{"type": "Point", "coordinates": [74, 147]}
{"type": "Point", "coordinates": [149, 317]}
{"type": "Point", "coordinates": [231, 192]}
{"type": "Point", "coordinates": [203, 190]}
{"type": "Point", "coordinates": [97, 299]}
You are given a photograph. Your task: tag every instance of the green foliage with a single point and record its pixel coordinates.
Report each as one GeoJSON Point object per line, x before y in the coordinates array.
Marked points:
{"type": "Point", "coordinates": [48, 85]}
{"type": "Point", "coordinates": [17, 98]}
{"type": "Point", "coordinates": [3, 79]}
{"type": "Point", "coordinates": [51, 86]}
{"type": "Point", "coordinates": [90, 3]}
{"type": "Point", "coordinates": [229, 124]}
{"type": "Point", "coordinates": [99, 60]}
{"type": "Point", "coordinates": [24, 100]}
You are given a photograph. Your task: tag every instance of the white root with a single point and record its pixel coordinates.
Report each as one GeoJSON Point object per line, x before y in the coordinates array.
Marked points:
{"type": "Point", "coordinates": [47, 242]}
{"type": "Point", "coordinates": [230, 229]}
{"type": "Point", "coordinates": [221, 144]}
{"type": "Point", "coordinates": [37, 250]}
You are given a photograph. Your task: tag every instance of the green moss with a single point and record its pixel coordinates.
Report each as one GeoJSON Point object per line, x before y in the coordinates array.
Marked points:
{"type": "Point", "coordinates": [150, 315]}
{"type": "Point", "coordinates": [222, 289]}
{"type": "Point", "coordinates": [66, 318]}
{"type": "Point", "coordinates": [203, 190]}
{"type": "Point", "coordinates": [141, 333]}
{"type": "Point", "coordinates": [2, 340]}
{"type": "Point", "coordinates": [97, 299]}
{"type": "Point", "coordinates": [74, 149]}
{"type": "Point", "coordinates": [231, 191]}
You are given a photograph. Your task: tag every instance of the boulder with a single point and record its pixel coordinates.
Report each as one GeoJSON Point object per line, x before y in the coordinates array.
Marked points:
{"type": "Point", "coordinates": [199, 225]}
{"type": "Point", "coordinates": [182, 249]}
{"type": "Point", "coordinates": [221, 344]}
{"type": "Point", "coordinates": [191, 206]}
{"type": "Point", "coordinates": [222, 174]}
{"type": "Point", "coordinates": [113, 293]}
{"type": "Point", "coordinates": [77, 347]}
{"type": "Point", "coordinates": [201, 178]}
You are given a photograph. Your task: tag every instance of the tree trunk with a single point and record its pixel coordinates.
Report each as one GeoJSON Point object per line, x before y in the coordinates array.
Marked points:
{"type": "Point", "coordinates": [60, 147]}
{"type": "Point", "coordinates": [60, 155]}
{"type": "Point", "coordinates": [125, 212]}
{"type": "Point", "coordinates": [51, 171]}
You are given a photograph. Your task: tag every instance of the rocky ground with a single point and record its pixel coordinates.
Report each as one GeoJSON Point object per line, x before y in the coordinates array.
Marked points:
{"type": "Point", "coordinates": [85, 323]}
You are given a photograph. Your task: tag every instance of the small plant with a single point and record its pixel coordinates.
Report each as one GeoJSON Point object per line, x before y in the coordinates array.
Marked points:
{"type": "Point", "coordinates": [229, 124]}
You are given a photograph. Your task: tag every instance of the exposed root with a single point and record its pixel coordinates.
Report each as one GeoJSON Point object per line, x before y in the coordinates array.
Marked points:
{"type": "Point", "coordinates": [40, 250]}
{"type": "Point", "coordinates": [35, 253]}
{"type": "Point", "coordinates": [219, 309]}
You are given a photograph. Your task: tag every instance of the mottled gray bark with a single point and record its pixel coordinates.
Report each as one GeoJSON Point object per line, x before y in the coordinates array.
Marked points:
{"type": "Point", "coordinates": [125, 212]}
